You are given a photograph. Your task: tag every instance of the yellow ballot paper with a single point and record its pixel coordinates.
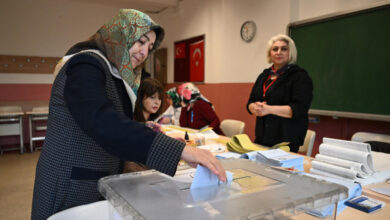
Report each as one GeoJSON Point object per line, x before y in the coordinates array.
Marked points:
{"type": "Point", "coordinates": [175, 128]}
{"type": "Point", "coordinates": [241, 143]}
{"type": "Point", "coordinates": [205, 129]}
{"type": "Point", "coordinates": [283, 146]}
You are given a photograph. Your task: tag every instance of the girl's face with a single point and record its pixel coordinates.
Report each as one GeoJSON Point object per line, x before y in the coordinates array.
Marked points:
{"type": "Point", "coordinates": [152, 104]}
{"type": "Point", "coordinates": [140, 50]}
{"type": "Point", "coordinates": [280, 53]}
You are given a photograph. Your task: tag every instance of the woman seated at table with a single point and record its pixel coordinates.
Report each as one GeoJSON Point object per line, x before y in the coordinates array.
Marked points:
{"type": "Point", "coordinates": [147, 109]}
{"type": "Point", "coordinates": [148, 105]}
{"type": "Point", "coordinates": [197, 112]}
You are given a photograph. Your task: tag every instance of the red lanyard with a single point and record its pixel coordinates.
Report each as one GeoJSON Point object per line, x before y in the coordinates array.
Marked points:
{"type": "Point", "coordinates": [265, 88]}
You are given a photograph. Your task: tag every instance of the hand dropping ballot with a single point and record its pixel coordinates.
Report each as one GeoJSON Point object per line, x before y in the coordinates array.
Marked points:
{"type": "Point", "coordinates": [204, 178]}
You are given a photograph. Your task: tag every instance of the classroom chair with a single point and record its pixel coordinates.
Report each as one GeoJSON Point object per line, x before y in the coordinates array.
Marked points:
{"type": "Point", "coordinates": [232, 127]}
{"type": "Point", "coordinates": [369, 136]}
{"type": "Point", "coordinates": [11, 123]}
{"type": "Point", "coordinates": [308, 143]}
{"type": "Point", "coordinates": [378, 142]}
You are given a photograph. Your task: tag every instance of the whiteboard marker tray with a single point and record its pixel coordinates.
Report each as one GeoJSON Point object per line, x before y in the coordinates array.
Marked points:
{"type": "Point", "coordinates": [256, 192]}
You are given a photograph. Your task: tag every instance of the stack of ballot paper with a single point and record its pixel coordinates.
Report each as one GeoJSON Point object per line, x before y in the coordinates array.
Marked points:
{"type": "Point", "coordinates": [343, 159]}
{"type": "Point", "coordinates": [253, 154]}
{"type": "Point", "coordinates": [241, 144]}
{"type": "Point", "coordinates": [273, 157]}
{"type": "Point", "coordinates": [283, 146]}
{"type": "Point", "coordinates": [278, 157]}
{"type": "Point", "coordinates": [208, 133]}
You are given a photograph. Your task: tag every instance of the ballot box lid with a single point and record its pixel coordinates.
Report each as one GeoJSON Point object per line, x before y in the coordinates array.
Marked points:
{"type": "Point", "coordinates": [256, 192]}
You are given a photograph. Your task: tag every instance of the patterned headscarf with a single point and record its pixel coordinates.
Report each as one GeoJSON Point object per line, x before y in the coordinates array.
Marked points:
{"type": "Point", "coordinates": [116, 37]}
{"type": "Point", "coordinates": [176, 99]}
{"type": "Point", "coordinates": [190, 93]}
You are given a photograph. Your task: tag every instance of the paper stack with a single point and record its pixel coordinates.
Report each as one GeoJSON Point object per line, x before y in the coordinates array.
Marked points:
{"type": "Point", "coordinates": [241, 144]}
{"type": "Point", "coordinates": [278, 157]}
{"type": "Point", "coordinates": [343, 159]}
{"type": "Point", "coordinates": [208, 133]}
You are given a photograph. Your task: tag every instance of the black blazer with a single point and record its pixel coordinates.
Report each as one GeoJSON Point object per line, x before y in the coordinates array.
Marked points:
{"type": "Point", "coordinates": [89, 133]}
{"type": "Point", "coordinates": [294, 88]}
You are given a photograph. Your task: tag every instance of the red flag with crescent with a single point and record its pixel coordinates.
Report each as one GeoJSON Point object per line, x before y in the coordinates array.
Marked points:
{"type": "Point", "coordinates": [180, 50]}
{"type": "Point", "coordinates": [197, 61]}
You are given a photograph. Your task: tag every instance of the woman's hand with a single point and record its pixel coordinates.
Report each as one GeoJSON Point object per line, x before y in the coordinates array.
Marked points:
{"type": "Point", "coordinates": [180, 139]}
{"type": "Point", "coordinates": [154, 126]}
{"type": "Point", "coordinates": [255, 108]}
{"type": "Point", "coordinates": [194, 156]}
{"type": "Point", "coordinates": [165, 120]}
{"type": "Point", "coordinates": [262, 109]}
{"type": "Point", "coordinates": [278, 110]}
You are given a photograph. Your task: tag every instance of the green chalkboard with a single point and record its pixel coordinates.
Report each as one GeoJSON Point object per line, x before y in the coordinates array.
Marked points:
{"type": "Point", "coordinates": [348, 58]}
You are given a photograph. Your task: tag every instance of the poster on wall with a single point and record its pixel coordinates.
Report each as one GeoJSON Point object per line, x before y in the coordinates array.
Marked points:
{"type": "Point", "coordinates": [197, 61]}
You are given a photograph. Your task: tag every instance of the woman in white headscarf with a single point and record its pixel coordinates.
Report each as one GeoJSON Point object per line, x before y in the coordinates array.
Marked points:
{"type": "Point", "coordinates": [197, 111]}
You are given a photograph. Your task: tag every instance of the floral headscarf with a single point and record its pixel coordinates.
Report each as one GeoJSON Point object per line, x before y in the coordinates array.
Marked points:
{"type": "Point", "coordinates": [176, 100]}
{"type": "Point", "coordinates": [116, 37]}
{"type": "Point", "coordinates": [190, 93]}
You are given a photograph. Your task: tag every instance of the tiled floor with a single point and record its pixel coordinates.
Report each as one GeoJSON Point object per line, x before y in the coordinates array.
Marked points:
{"type": "Point", "coordinates": [17, 173]}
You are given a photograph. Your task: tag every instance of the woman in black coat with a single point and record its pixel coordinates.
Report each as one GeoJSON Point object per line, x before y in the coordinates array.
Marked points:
{"type": "Point", "coordinates": [281, 97]}
{"type": "Point", "coordinates": [91, 130]}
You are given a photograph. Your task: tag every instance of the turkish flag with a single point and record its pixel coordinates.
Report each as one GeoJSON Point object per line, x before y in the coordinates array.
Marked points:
{"type": "Point", "coordinates": [197, 61]}
{"type": "Point", "coordinates": [180, 50]}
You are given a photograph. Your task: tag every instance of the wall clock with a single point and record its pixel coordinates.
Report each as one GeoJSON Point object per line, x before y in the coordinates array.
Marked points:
{"type": "Point", "coordinates": [248, 31]}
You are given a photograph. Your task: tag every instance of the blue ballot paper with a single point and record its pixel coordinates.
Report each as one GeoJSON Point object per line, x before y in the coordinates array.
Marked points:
{"type": "Point", "coordinates": [250, 155]}
{"type": "Point", "coordinates": [278, 157]}
{"type": "Point", "coordinates": [274, 157]}
{"type": "Point", "coordinates": [228, 154]}
{"type": "Point", "coordinates": [204, 178]}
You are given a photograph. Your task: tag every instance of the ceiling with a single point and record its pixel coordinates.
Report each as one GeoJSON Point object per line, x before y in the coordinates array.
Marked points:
{"type": "Point", "coordinates": [148, 6]}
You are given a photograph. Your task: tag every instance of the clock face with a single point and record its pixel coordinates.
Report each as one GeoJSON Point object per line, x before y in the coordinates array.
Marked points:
{"type": "Point", "coordinates": [248, 31]}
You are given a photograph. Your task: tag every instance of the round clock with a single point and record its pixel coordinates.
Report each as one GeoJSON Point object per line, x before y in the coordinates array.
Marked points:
{"type": "Point", "coordinates": [248, 30]}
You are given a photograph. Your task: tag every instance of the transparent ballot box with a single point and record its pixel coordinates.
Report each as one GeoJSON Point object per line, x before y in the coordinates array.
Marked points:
{"type": "Point", "coordinates": [256, 192]}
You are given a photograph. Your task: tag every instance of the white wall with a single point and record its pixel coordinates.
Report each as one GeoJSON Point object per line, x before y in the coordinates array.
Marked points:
{"type": "Point", "coordinates": [47, 28]}
{"type": "Point", "coordinates": [50, 27]}
{"type": "Point", "coordinates": [228, 58]}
